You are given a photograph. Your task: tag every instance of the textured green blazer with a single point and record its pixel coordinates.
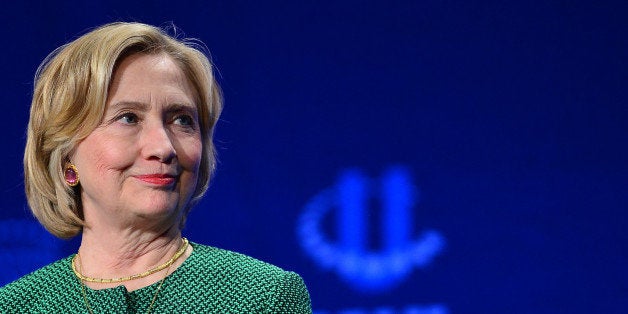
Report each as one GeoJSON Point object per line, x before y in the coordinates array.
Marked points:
{"type": "Point", "coordinates": [211, 280]}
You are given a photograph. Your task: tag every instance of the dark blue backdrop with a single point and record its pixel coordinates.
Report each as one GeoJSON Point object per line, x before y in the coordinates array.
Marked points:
{"type": "Point", "coordinates": [506, 122]}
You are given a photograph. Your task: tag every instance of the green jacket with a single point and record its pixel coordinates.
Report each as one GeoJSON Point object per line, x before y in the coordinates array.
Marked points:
{"type": "Point", "coordinates": [211, 280]}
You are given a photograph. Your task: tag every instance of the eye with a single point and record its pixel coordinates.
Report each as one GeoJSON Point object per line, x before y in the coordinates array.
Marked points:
{"type": "Point", "coordinates": [184, 120]}
{"type": "Point", "coordinates": [128, 118]}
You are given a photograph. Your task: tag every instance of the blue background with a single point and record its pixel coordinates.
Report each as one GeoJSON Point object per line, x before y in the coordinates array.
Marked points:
{"type": "Point", "coordinates": [510, 117]}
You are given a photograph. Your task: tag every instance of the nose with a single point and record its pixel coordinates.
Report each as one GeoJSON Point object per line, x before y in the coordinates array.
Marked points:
{"type": "Point", "coordinates": [157, 143]}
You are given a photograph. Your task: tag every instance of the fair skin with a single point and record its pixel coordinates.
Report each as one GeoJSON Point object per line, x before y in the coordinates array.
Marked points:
{"type": "Point", "coordinates": [138, 172]}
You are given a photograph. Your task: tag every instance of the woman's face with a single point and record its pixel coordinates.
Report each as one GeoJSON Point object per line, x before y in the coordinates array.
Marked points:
{"type": "Point", "coordinates": [142, 162]}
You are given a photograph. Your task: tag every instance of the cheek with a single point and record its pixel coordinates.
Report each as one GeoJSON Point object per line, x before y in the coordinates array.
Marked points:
{"type": "Point", "coordinates": [99, 157]}
{"type": "Point", "coordinates": [190, 155]}
{"type": "Point", "coordinates": [107, 162]}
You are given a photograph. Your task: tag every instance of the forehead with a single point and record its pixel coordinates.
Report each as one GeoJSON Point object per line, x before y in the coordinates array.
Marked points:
{"type": "Point", "coordinates": [150, 75]}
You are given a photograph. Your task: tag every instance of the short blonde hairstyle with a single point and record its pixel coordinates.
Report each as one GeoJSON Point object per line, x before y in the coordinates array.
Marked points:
{"type": "Point", "coordinates": [69, 101]}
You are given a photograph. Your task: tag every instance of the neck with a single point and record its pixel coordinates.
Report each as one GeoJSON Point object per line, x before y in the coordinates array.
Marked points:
{"type": "Point", "coordinates": [107, 254]}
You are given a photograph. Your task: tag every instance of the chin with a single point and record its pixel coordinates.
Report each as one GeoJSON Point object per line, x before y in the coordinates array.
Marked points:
{"type": "Point", "coordinates": [157, 207]}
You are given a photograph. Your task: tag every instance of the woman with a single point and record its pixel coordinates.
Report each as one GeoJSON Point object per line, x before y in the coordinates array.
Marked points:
{"type": "Point", "coordinates": [119, 149]}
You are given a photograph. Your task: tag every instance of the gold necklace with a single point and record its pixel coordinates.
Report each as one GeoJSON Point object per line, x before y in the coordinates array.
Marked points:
{"type": "Point", "coordinates": [151, 271]}
{"type": "Point", "coordinates": [152, 302]}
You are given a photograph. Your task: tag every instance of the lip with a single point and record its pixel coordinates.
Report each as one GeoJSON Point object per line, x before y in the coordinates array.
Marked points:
{"type": "Point", "coordinates": [158, 179]}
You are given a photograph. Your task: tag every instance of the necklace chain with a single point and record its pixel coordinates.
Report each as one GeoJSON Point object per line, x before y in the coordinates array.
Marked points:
{"type": "Point", "coordinates": [152, 302]}
{"type": "Point", "coordinates": [151, 271]}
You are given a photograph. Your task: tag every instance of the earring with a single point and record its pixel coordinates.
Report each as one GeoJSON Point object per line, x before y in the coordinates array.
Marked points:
{"type": "Point", "coordinates": [71, 175]}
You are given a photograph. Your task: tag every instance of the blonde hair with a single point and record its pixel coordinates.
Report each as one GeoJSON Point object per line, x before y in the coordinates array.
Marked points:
{"type": "Point", "coordinates": [69, 101]}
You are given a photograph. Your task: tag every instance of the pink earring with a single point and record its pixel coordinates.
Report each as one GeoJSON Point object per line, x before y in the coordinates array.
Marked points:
{"type": "Point", "coordinates": [71, 175]}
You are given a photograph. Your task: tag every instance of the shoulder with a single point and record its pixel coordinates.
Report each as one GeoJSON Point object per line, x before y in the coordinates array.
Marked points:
{"type": "Point", "coordinates": [236, 276]}
{"type": "Point", "coordinates": [37, 288]}
{"type": "Point", "coordinates": [229, 261]}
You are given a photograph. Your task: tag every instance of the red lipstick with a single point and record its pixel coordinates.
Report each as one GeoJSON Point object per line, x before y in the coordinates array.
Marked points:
{"type": "Point", "coordinates": [157, 179]}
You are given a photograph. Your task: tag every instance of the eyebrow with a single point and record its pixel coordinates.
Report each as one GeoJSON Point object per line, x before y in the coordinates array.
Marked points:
{"type": "Point", "coordinates": [145, 107]}
{"type": "Point", "coordinates": [182, 107]}
{"type": "Point", "coordinates": [130, 105]}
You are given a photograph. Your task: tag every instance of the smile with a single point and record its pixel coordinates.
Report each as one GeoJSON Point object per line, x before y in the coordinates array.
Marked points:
{"type": "Point", "coordinates": [157, 179]}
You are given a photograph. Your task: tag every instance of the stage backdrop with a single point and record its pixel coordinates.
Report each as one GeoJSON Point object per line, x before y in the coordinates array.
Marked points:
{"type": "Point", "coordinates": [403, 156]}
